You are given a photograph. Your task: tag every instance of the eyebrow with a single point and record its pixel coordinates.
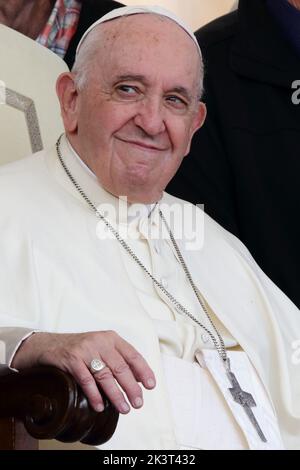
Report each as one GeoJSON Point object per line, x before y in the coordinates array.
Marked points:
{"type": "Point", "coordinates": [141, 78]}
{"type": "Point", "coordinates": [129, 77]}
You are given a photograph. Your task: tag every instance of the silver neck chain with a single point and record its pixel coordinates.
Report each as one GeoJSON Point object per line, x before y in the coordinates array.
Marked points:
{"type": "Point", "coordinates": [219, 344]}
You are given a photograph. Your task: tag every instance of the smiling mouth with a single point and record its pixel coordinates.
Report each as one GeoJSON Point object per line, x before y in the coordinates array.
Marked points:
{"type": "Point", "coordinates": [142, 145]}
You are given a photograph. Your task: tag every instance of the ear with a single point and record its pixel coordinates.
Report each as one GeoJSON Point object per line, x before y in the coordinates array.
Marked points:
{"type": "Point", "coordinates": [68, 97]}
{"type": "Point", "coordinates": [198, 122]}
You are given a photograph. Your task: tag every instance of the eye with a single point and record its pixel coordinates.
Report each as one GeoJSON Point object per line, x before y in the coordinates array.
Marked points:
{"type": "Point", "coordinates": [177, 101]}
{"type": "Point", "coordinates": [128, 90]}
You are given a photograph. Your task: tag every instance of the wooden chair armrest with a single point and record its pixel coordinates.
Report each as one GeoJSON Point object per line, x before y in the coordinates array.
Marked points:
{"type": "Point", "coordinates": [52, 406]}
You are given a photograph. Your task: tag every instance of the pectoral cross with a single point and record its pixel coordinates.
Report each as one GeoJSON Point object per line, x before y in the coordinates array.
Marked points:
{"type": "Point", "coordinates": [244, 399]}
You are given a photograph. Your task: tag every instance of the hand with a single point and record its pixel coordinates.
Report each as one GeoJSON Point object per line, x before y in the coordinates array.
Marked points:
{"type": "Point", "coordinates": [74, 352]}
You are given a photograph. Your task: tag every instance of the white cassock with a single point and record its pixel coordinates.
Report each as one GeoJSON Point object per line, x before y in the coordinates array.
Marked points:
{"type": "Point", "coordinates": [61, 272]}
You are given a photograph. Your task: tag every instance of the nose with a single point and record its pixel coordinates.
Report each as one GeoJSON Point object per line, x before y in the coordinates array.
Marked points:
{"type": "Point", "coordinates": [150, 116]}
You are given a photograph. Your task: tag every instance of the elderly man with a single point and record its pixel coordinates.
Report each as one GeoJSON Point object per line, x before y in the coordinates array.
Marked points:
{"type": "Point", "coordinates": [118, 294]}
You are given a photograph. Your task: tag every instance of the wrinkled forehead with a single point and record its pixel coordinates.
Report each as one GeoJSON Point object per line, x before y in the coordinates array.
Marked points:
{"type": "Point", "coordinates": [147, 32]}
{"type": "Point", "coordinates": [128, 11]}
{"type": "Point", "coordinates": [147, 26]}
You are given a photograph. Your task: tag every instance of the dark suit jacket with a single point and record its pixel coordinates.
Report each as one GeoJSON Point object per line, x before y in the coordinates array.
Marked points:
{"type": "Point", "coordinates": [91, 11]}
{"type": "Point", "coordinates": [244, 163]}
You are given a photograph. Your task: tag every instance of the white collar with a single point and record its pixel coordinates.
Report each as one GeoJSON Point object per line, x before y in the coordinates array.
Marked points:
{"type": "Point", "coordinates": [82, 163]}
{"type": "Point", "coordinates": [134, 212]}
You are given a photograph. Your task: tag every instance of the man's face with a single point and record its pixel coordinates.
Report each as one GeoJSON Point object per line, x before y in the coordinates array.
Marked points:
{"type": "Point", "coordinates": [139, 110]}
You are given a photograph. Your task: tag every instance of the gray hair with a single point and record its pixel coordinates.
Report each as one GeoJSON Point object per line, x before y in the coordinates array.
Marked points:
{"type": "Point", "coordinates": [85, 59]}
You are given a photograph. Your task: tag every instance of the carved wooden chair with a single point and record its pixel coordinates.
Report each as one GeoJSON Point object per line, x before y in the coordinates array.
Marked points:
{"type": "Point", "coordinates": [46, 403]}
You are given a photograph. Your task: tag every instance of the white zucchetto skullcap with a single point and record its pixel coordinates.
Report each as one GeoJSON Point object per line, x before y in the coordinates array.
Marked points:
{"type": "Point", "coordinates": [134, 10]}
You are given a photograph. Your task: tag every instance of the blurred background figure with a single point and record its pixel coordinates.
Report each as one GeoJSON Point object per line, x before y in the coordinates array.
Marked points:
{"type": "Point", "coordinates": [56, 24]}
{"type": "Point", "coordinates": [244, 163]}
{"type": "Point", "coordinates": [194, 12]}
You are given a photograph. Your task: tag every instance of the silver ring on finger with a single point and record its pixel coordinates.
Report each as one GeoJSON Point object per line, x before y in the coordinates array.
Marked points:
{"type": "Point", "coordinates": [96, 365]}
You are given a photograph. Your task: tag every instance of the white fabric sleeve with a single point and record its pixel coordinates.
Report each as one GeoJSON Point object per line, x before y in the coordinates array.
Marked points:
{"type": "Point", "coordinates": [10, 341]}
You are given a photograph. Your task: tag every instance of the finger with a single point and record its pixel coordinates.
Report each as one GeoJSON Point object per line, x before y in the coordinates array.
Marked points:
{"type": "Point", "coordinates": [108, 384]}
{"type": "Point", "coordinates": [139, 366]}
{"type": "Point", "coordinates": [125, 378]}
{"type": "Point", "coordinates": [89, 387]}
